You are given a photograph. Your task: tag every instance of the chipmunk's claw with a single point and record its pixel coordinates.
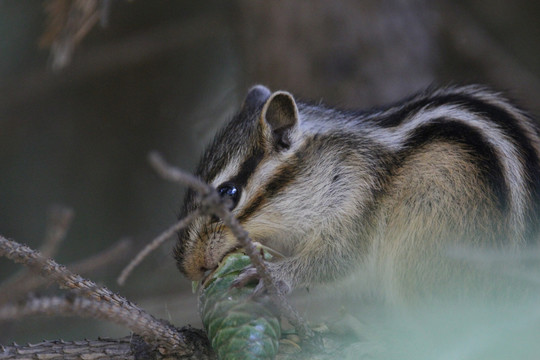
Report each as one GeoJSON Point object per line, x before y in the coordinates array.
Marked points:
{"type": "Point", "coordinates": [250, 275]}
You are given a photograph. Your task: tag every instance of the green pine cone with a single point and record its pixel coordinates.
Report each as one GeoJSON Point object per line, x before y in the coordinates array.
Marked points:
{"type": "Point", "coordinates": [237, 326]}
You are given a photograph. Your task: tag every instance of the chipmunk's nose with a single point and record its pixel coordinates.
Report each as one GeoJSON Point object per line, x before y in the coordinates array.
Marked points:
{"type": "Point", "coordinates": [209, 264]}
{"type": "Point", "coordinates": [194, 264]}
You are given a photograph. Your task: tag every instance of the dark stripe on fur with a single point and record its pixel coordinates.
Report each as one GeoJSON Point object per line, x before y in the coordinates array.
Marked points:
{"type": "Point", "coordinates": [410, 109]}
{"type": "Point", "coordinates": [230, 142]}
{"type": "Point", "coordinates": [247, 168]}
{"type": "Point", "coordinates": [284, 175]}
{"type": "Point", "coordinates": [455, 131]}
{"type": "Point", "coordinates": [504, 120]}
{"type": "Point", "coordinates": [510, 126]}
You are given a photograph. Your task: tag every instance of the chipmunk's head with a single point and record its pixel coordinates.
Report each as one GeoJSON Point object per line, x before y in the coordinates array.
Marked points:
{"type": "Point", "coordinates": [246, 164]}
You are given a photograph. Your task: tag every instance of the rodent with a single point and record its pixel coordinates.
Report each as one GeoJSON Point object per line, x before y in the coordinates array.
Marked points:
{"type": "Point", "coordinates": [383, 192]}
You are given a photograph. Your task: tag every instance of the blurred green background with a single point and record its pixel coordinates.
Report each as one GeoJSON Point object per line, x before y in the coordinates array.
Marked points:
{"type": "Point", "coordinates": [164, 75]}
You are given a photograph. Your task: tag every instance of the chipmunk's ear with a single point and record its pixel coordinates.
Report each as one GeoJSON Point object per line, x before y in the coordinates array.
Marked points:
{"type": "Point", "coordinates": [255, 98]}
{"type": "Point", "coordinates": [280, 115]}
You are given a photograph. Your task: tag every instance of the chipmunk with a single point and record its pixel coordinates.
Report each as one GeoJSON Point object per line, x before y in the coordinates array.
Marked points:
{"type": "Point", "coordinates": [383, 192]}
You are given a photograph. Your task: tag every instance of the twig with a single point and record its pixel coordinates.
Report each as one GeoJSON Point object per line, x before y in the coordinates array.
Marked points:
{"type": "Point", "coordinates": [58, 223]}
{"type": "Point", "coordinates": [154, 244]}
{"type": "Point", "coordinates": [72, 304]}
{"type": "Point", "coordinates": [68, 23]}
{"type": "Point", "coordinates": [126, 348]}
{"type": "Point", "coordinates": [99, 260]}
{"type": "Point", "coordinates": [105, 13]}
{"type": "Point", "coordinates": [212, 203]}
{"type": "Point", "coordinates": [134, 49]}
{"type": "Point", "coordinates": [139, 321]}
{"type": "Point", "coordinates": [154, 330]}
{"type": "Point", "coordinates": [101, 349]}
{"type": "Point", "coordinates": [13, 290]}
{"type": "Point", "coordinates": [171, 173]}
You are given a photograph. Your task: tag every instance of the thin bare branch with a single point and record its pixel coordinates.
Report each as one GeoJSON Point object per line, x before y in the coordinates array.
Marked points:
{"type": "Point", "coordinates": [278, 298]}
{"type": "Point", "coordinates": [139, 321]}
{"type": "Point", "coordinates": [158, 332]}
{"type": "Point", "coordinates": [100, 260]}
{"type": "Point", "coordinates": [68, 22]}
{"type": "Point", "coordinates": [171, 173]}
{"type": "Point", "coordinates": [58, 221]}
{"type": "Point", "coordinates": [16, 289]}
{"type": "Point", "coordinates": [106, 6]}
{"type": "Point", "coordinates": [212, 203]}
{"type": "Point", "coordinates": [154, 244]}
{"type": "Point", "coordinates": [49, 268]}
{"type": "Point", "coordinates": [101, 349]}
{"type": "Point", "coordinates": [106, 58]}
{"type": "Point", "coordinates": [56, 12]}
{"type": "Point", "coordinates": [126, 348]}
{"type": "Point", "coordinates": [71, 305]}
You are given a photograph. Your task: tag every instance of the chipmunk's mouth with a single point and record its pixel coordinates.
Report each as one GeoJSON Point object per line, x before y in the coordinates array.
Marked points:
{"type": "Point", "coordinates": [208, 273]}
{"type": "Point", "coordinates": [211, 265]}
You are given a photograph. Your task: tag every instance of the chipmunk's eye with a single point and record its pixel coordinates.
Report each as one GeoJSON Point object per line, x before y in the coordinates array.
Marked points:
{"type": "Point", "coordinates": [229, 190]}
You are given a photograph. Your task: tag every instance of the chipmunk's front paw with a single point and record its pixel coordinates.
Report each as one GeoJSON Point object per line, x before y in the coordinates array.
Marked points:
{"type": "Point", "coordinates": [250, 275]}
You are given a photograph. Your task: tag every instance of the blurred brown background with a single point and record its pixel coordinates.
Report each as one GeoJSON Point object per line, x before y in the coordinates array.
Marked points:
{"type": "Point", "coordinates": [165, 74]}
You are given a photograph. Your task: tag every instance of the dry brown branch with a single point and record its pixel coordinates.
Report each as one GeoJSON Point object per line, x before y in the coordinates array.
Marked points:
{"type": "Point", "coordinates": [98, 261]}
{"type": "Point", "coordinates": [140, 322]}
{"type": "Point", "coordinates": [101, 349]}
{"type": "Point", "coordinates": [154, 244]}
{"type": "Point", "coordinates": [126, 348]}
{"type": "Point", "coordinates": [72, 304]}
{"type": "Point", "coordinates": [68, 22]}
{"type": "Point", "coordinates": [9, 291]}
{"type": "Point", "coordinates": [211, 203]}
{"type": "Point", "coordinates": [90, 300]}
{"type": "Point", "coordinates": [56, 12]}
{"type": "Point", "coordinates": [151, 329]}
{"type": "Point", "coordinates": [105, 12]}
{"type": "Point", "coordinates": [58, 221]}
{"type": "Point", "coordinates": [136, 49]}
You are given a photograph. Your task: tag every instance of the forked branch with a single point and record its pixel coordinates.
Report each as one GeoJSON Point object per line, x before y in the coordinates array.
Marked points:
{"type": "Point", "coordinates": [90, 300]}
{"type": "Point", "coordinates": [213, 204]}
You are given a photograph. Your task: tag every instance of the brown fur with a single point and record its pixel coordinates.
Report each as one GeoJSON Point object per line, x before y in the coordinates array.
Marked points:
{"type": "Point", "coordinates": [387, 195]}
